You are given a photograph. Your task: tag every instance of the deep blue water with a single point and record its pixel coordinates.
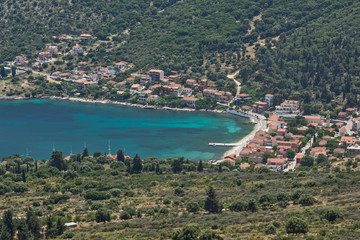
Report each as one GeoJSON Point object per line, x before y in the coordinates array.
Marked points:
{"type": "Point", "coordinates": [36, 126]}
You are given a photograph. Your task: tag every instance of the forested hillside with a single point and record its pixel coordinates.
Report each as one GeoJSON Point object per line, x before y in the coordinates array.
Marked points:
{"type": "Point", "coordinates": [306, 50]}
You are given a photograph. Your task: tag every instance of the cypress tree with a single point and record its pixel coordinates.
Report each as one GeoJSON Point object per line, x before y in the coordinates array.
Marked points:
{"type": "Point", "coordinates": [23, 176]}
{"type": "Point", "coordinates": [8, 227]}
{"type": "Point", "coordinates": [200, 167]}
{"type": "Point", "coordinates": [120, 156]}
{"type": "Point", "coordinates": [2, 71]}
{"type": "Point", "coordinates": [137, 164]}
{"type": "Point", "coordinates": [23, 233]}
{"type": "Point", "coordinates": [211, 203]}
{"type": "Point", "coordinates": [85, 153]}
{"type": "Point", "coordinates": [57, 160]}
{"type": "Point", "coordinates": [13, 71]}
{"type": "Point", "coordinates": [33, 223]}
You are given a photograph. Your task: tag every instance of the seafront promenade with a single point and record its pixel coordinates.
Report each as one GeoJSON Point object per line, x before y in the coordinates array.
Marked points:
{"type": "Point", "coordinates": [260, 121]}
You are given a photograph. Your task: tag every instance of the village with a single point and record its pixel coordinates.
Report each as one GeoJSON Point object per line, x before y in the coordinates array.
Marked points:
{"type": "Point", "coordinates": [280, 142]}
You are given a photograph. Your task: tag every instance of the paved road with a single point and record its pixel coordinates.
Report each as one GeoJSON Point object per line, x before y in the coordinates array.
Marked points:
{"type": "Point", "coordinates": [348, 127]}
{"type": "Point", "coordinates": [292, 163]}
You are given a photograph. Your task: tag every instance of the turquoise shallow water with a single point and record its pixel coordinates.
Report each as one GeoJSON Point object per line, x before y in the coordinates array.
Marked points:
{"type": "Point", "coordinates": [35, 126]}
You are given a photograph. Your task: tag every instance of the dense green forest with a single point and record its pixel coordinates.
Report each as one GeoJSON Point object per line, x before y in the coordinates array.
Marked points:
{"type": "Point", "coordinates": [133, 198]}
{"type": "Point", "coordinates": [310, 51]}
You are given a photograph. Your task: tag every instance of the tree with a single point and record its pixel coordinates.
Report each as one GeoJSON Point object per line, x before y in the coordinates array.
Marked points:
{"type": "Point", "coordinates": [333, 214]}
{"type": "Point", "coordinates": [57, 160]}
{"type": "Point", "coordinates": [13, 71]}
{"type": "Point", "coordinates": [120, 156]}
{"type": "Point", "coordinates": [211, 203]}
{"type": "Point", "coordinates": [220, 168]}
{"type": "Point", "coordinates": [50, 230]}
{"type": "Point", "coordinates": [3, 72]}
{"type": "Point", "coordinates": [137, 164]}
{"type": "Point", "coordinates": [60, 226]}
{"type": "Point", "coordinates": [85, 153]}
{"type": "Point", "coordinates": [8, 226]}
{"type": "Point", "coordinates": [23, 233]}
{"type": "Point", "coordinates": [291, 154]}
{"type": "Point", "coordinates": [102, 215]}
{"type": "Point", "coordinates": [265, 157]}
{"type": "Point", "coordinates": [176, 165]}
{"type": "Point", "coordinates": [200, 167]}
{"type": "Point", "coordinates": [192, 207]}
{"type": "Point", "coordinates": [253, 205]}
{"type": "Point", "coordinates": [307, 161]}
{"type": "Point", "coordinates": [189, 232]}
{"type": "Point", "coordinates": [33, 223]}
{"type": "Point", "coordinates": [23, 176]}
{"type": "Point", "coordinates": [321, 159]}
{"type": "Point", "coordinates": [306, 200]}
{"type": "Point", "coordinates": [297, 225]}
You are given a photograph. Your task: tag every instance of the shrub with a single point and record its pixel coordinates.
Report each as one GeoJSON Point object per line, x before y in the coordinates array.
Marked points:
{"type": "Point", "coordinates": [94, 195]}
{"type": "Point", "coordinates": [102, 215]}
{"type": "Point", "coordinates": [306, 200]}
{"type": "Point", "coordinates": [125, 215]}
{"type": "Point", "coordinates": [239, 206]}
{"type": "Point", "coordinates": [192, 207]}
{"type": "Point", "coordinates": [115, 192]}
{"type": "Point", "coordinates": [96, 206]}
{"type": "Point", "coordinates": [267, 198]}
{"type": "Point", "coordinates": [190, 231]}
{"type": "Point", "coordinates": [129, 210]}
{"type": "Point", "coordinates": [36, 204]}
{"type": "Point", "coordinates": [20, 188]}
{"type": "Point", "coordinates": [164, 211]}
{"type": "Point", "coordinates": [209, 235]}
{"type": "Point", "coordinates": [3, 189]}
{"type": "Point", "coordinates": [166, 201]}
{"type": "Point", "coordinates": [270, 229]}
{"type": "Point", "coordinates": [179, 192]}
{"type": "Point", "coordinates": [296, 225]}
{"type": "Point", "coordinates": [333, 214]}
{"type": "Point", "coordinates": [54, 199]}
{"type": "Point", "coordinates": [129, 193]}
{"type": "Point", "coordinates": [67, 235]}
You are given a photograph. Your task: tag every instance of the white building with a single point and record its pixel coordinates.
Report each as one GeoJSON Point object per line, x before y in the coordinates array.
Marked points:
{"type": "Point", "coordinates": [288, 107]}
{"type": "Point", "coordinates": [76, 50]}
{"type": "Point", "coordinates": [156, 75]}
{"type": "Point", "coordinates": [269, 98]}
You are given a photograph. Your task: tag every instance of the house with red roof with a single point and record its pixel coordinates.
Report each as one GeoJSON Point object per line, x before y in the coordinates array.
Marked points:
{"type": "Point", "coordinates": [190, 101]}
{"type": "Point", "coordinates": [277, 164]}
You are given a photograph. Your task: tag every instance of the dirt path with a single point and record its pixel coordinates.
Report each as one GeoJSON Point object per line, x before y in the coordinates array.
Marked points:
{"type": "Point", "coordinates": [250, 50]}
{"type": "Point", "coordinates": [252, 23]}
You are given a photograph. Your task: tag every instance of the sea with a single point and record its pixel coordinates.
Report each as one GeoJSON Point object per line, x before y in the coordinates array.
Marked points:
{"type": "Point", "coordinates": [37, 127]}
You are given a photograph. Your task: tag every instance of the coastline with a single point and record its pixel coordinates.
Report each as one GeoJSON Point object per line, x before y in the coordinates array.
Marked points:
{"type": "Point", "coordinates": [242, 142]}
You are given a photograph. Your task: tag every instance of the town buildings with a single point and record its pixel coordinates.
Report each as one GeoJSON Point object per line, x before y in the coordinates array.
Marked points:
{"type": "Point", "coordinates": [156, 75]}
{"type": "Point", "coordinates": [76, 50]}
{"type": "Point", "coordinates": [288, 107]}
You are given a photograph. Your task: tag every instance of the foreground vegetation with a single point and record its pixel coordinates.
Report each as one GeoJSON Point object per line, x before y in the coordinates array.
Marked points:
{"type": "Point", "coordinates": [123, 198]}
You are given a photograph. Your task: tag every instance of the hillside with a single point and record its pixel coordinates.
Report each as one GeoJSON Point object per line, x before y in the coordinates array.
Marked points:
{"type": "Point", "coordinates": [303, 50]}
{"type": "Point", "coordinates": [169, 199]}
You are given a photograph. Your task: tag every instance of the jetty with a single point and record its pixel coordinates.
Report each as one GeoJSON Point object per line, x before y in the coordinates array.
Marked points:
{"type": "Point", "coordinates": [224, 144]}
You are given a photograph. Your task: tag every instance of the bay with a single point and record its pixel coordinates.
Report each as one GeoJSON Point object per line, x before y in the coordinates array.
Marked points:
{"type": "Point", "coordinates": [35, 127]}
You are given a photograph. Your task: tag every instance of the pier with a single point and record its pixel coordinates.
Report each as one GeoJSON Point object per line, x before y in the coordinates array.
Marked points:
{"type": "Point", "coordinates": [224, 144]}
